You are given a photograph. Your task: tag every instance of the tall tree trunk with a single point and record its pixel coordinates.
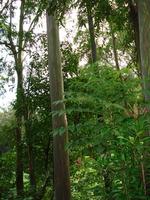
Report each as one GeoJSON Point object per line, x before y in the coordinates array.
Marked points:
{"type": "Point", "coordinates": [61, 158]}
{"type": "Point", "coordinates": [92, 33]}
{"type": "Point", "coordinates": [19, 106]}
{"type": "Point", "coordinates": [31, 167]}
{"type": "Point", "coordinates": [144, 29]}
{"type": "Point", "coordinates": [29, 139]}
{"type": "Point", "coordinates": [133, 17]}
{"type": "Point", "coordinates": [19, 146]}
{"type": "Point", "coordinates": [134, 20]}
{"type": "Point", "coordinates": [114, 48]}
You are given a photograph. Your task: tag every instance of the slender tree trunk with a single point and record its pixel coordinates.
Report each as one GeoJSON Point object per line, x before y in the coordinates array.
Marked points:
{"type": "Point", "coordinates": [144, 29]}
{"type": "Point", "coordinates": [47, 153]}
{"type": "Point", "coordinates": [17, 51]}
{"type": "Point", "coordinates": [19, 146]}
{"type": "Point", "coordinates": [21, 112]}
{"type": "Point", "coordinates": [31, 168]}
{"type": "Point", "coordinates": [133, 15]}
{"type": "Point", "coordinates": [19, 106]}
{"type": "Point", "coordinates": [114, 49]}
{"type": "Point", "coordinates": [61, 158]}
{"type": "Point", "coordinates": [92, 33]}
{"type": "Point", "coordinates": [29, 138]}
{"type": "Point", "coordinates": [19, 162]}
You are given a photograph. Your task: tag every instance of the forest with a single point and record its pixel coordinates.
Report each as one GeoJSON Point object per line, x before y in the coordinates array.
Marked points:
{"type": "Point", "coordinates": [78, 127]}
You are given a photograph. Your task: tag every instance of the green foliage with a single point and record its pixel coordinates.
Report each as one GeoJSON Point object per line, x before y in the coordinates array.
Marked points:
{"type": "Point", "coordinates": [7, 129]}
{"type": "Point", "coordinates": [86, 179]}
{"type": "Point", "coordinates": [107, 124]}
{"type": "Point", "coordinates": [70, 60]}
{"type": "Point", "coordinates": [7, 178]}
{"type": "Point", "coordinates": [7, 154]}
{"type": "Point", "coordinates": [106, 114]}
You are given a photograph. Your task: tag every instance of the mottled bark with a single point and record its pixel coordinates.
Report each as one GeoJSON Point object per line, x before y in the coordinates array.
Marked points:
{"type": "Point", "coordinates": [61, 158]}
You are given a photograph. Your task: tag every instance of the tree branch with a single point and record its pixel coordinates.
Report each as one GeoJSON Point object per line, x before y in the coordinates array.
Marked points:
{"type": "Point", "coordinates": [5, 7]}
{"type": "Point", "coordinates": [33, 23]}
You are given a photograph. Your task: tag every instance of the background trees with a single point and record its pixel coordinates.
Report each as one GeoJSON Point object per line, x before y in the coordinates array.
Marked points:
{"type": "Point", "coordinates": [108, 118]}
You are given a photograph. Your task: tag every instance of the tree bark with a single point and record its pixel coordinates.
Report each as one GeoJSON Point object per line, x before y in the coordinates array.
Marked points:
{"type": "Point", "coordinates": [19, 161]}
{"type": "Point", "coordinates": [61, 157]}
{"type": "Point", "coordinates": [133, 18]}
{"type": "Point", "coordinates": [144, 29]}
{"type": "Point", "coordinates": [19, 105]}
{"type": "Point", "coordinates": [29, 139]}
{"type": "Point", "coordinates": [92, 33]}
{"type": "Point", "coordinates": [114, 48]}
{"type": "Point", "coordinates": [19, 146]}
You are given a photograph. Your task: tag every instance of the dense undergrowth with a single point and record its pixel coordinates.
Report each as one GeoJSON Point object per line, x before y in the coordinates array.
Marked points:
{"type": "Point", "coordinates": [107, 120]}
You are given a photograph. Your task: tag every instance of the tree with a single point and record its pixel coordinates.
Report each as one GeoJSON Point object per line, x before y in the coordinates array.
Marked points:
{"type": "Point", "coordinates": [16, 40]}
{"type": "Point", "coordinates": [133, 18]}
{"type": "Point", "coordinates": [144, 29]}
{"type": "Point", "coordinates": [86, 17]}
{"type": "Point", "coordinates": [59, 120]}
{"type": "Point", "coordinates": [91, 31]}
{"type": "Point", "coordinates": [108, 123]}
{"type": "Point", "coordinates": [19, 102]}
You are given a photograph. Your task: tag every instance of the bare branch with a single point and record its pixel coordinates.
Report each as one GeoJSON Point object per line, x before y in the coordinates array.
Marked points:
{"type": "Point", "coordinates": [34, 22]}
{"type": "Point", "coordinates": [12, 45]}
{"type": "Point", "coordinates": [20, 39]}
{"type": "Point", "coordinates": [6, 44]}
{"type": "Point", "coordinates": [5, 7]}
